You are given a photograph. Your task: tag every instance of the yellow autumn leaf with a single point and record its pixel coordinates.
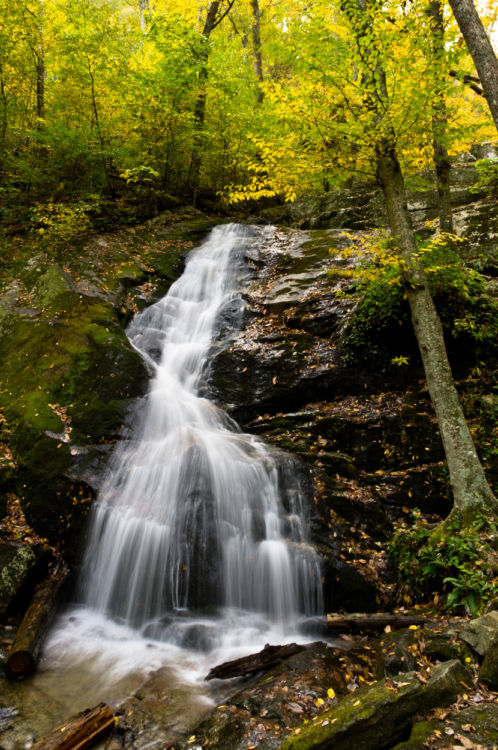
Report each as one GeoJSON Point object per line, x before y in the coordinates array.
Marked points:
{"type": "Point", "coordinates": [331, 693]}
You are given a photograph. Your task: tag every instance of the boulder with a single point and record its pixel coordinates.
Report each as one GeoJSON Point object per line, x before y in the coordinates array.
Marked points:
{"type": "Point", "coordinates": [488, 672]}
{"type": "Point", "coordinates": [380, 715]}
{"type": "Point", "coordinates": [482, 633]}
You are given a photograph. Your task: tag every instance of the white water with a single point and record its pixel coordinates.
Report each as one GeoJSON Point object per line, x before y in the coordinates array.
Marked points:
{"type": "Point", "coordinates": [199, 548]}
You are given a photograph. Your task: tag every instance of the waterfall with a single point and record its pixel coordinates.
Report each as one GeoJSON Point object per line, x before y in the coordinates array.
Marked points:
{"type": "Point", "coordinates": [193, 512]}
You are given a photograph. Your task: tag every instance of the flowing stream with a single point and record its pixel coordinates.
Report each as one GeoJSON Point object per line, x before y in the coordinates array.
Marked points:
{"type": "Point", "coordinates": [199, 544]}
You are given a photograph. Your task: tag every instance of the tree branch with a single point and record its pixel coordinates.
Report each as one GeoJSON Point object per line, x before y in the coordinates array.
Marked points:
{"type": "Point", "coordinates": [471, 81]}
{"type": "Point", "coordinates": [222, 16]}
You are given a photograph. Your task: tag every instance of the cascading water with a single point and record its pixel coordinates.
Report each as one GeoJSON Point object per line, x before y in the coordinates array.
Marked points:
{"type": "Point", "coordinates": [193, 512]}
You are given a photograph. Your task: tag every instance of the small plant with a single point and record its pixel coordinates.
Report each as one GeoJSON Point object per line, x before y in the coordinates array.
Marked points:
{"type": "Point", "coordinates": [458, 565]}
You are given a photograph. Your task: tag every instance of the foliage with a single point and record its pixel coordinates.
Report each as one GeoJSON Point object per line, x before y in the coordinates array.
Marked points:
{"type": "Point", "coordinates": [487, 176]}
{"type": "Point", "coordinates": [58, 223]}
{"type": "Point", "coordinates": [458, 565]}
{"type": "Point", "coordinates": [378, 333]}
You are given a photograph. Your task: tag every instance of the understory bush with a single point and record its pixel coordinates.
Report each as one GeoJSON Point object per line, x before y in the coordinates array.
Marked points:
{"type": "Point", "coordinates": [380, 334]}
{"type": "Point", "coordinates": [457, 567]}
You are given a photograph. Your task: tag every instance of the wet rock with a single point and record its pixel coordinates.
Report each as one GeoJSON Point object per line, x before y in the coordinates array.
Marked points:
{"type": "Point", "coordinates": [157, 714]}
{"type": "Point", "coordinates": [380, 715]}
{"type": "Point", "coordinates": [260, 713]}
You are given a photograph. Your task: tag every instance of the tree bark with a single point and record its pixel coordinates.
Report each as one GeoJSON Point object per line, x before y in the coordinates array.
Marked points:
{"type": "Point", "coordinates": [40, 69]}
{"type": "Point", "coordinates": [143, 7]}
{"type": "Point", "coordinates": [256, 48]}
{"type": "Point", "coordinates": [442, 162]}
{"type": "Point", "coordinates": [268, 657]}
{"type": "Point", "coordinates": [80, 731]}
{"type": "Point", "coordinates": [471, 491]}
{"type": "Point", "coordinates": [355, 622]}
{"type": "Point", "coordinates": [480, 49]}
{"type": "Point", "coordinates": [200, 105]}
{"type": "Point", "coordinates": [23, 653]}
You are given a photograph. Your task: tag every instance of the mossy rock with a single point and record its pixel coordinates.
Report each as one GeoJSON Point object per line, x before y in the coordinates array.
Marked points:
{"type": "Point", "coordinates": [380, 715]}
{"type": "Point", "coordinates": [68, 374]}
{"type": "Point", "coordinates": [475, 724]}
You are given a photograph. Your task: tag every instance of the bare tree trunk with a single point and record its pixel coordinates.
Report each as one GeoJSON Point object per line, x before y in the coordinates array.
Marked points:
{"type": "Point", "coordinates": [40, 87]}
{"type": "Point", "coordinates": [442, 162]}
{"type": "Point", "coordinates": [143, 7]}
{"type": "Point", "coordinates": [480, 48]}
{"type": "Point", "coordinates": [256, 48]}
{"type": "Point", "coordinates": [3, 119]}
{"type": "Point", "coordinates": [40, 70]}
{"type": "Point", "coordinates": [213, 18]}
{"type": "Point", "coordinates": [468, 481]}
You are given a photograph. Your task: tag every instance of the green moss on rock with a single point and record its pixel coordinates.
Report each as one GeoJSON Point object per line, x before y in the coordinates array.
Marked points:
{"type": "Point", "coordinates": [377, 717]}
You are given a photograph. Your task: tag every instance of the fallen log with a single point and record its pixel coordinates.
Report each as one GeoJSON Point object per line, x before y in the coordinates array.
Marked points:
{"type": "Point", "coordinates": [23, 653]}
{"type": "Point", "coordinates": [268, 657]}
{"type": "Point", "coordinates": [346, 623]}
{"type": "Point", "coordinates": [80, 731]}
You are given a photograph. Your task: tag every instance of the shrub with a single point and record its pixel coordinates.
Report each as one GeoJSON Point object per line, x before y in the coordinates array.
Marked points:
{"type": "Point", "coordinates": [379, 333]}
{"type": "Point", "coordinates": [458, 565]}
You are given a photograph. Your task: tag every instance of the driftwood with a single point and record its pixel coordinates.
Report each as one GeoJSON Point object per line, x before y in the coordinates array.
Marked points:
{"type": "Point", "coordinates": [348, 622]}
{"type": "Point", "coordinates": [23, 653]}
{"type": "Point", "coordinates": [268, 657]}
{"type": "Point", "coordinates": [80, 731]}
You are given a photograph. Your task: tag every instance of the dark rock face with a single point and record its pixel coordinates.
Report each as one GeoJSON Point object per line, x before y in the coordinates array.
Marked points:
{"type": "Point", "coordinates": [361, 207]}
{"type": "Point", "coordinates": [369, 443]}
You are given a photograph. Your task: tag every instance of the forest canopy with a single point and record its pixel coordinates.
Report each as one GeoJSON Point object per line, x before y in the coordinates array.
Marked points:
{"type": "Point", "coordinates": [106, 98]}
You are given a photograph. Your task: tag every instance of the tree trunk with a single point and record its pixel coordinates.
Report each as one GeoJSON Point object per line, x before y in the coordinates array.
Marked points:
{"type": "Point", "coordinates": [471, 491]}
{"type": "Point", "coordinates": [468, 481]}
{"type": "Point", "coordinates": [143, 7]}
{"type": "Point", "coordinates": [481, 51]}
{"type": "Point", "coordinates": [3, 120]}
{"type": "Point", "coordinates": [442, 163]}
{"type": "Point", "coordinates": [40, 87]}
{"type": "Point", "coordinates": [265, 659]}
{"type": "Point", "coordinates": [213, 18]}
{"type": "Point", "coordinates": [23, 653]}
{"type": "Point", "coordinates": [379, 621]}
{"type": "Point", "coordinates": [256, 48]}
{"type": "Point", "coordinates": [40, 70]}
{"type": "Point", "coordinates": [200, 105]}
{"type": "Point", "coordinates": [81, 731]}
